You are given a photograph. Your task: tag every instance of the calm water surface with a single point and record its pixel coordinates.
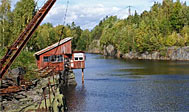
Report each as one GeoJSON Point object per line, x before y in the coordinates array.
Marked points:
{"type": "Point", "coordinates": [113, 85]}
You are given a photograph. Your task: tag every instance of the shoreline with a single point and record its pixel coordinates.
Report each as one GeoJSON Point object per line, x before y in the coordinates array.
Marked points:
{"type": "Point", "coordinates": [170, 54]}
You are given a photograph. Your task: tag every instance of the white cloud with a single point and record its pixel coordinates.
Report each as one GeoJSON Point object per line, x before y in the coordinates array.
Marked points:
{"type": "Point", "coordinates": [88, 13]}
{"type": "Point", "coordinates": [86, 16]}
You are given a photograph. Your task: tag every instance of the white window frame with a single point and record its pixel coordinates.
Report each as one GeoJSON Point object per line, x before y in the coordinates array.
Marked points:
{"type": "Point", "coordinates": [79, 56]}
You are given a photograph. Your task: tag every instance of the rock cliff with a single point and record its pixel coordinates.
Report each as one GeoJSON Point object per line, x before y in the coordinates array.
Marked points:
{"type": "Point", "coordinates": [171, 53]}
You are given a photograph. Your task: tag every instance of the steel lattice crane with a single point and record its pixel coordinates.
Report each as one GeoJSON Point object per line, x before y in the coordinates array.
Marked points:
{"type": "Point", "coordinates": [15, 49]}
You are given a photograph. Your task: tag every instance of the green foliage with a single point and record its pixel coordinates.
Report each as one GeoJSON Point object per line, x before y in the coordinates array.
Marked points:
{"type": "Point", "coordinates": [163, 26]}
{"type": "Point", "coordinates": [5, 22]}
{"type": "Point", "coordinates": [45, 36]}
{"type": "Point", "coordinates": [171, 39]}
{"type": "Point", "coordinates": [21, 16]}
{"type": "Point", "coordinates": [163, 52]}
{"type": "Point", "coordinates": [75, 33]}
{"type": "Point", "coordinates": [25, 59]}
{"type": "Point", "coordinates": [83, 41]}
{"type": "Point", "coordinates": [176, 17]}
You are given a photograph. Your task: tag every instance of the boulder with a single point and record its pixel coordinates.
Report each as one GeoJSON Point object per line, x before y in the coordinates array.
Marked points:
{"type": "Point", "coordinates": [110, 51]}
{"type": "Point", "coordinates": [17, 71]}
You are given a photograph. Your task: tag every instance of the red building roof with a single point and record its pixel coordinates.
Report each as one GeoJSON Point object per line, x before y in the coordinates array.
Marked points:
{"type": "Point", "coordinates": [53, 46]}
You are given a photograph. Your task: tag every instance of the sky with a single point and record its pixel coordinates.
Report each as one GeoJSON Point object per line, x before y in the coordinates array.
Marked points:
{"type": "Point", "coordinates": [88, 13]}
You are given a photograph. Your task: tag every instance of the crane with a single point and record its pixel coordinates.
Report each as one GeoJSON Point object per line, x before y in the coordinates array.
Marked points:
{"type": "Point", "coordinates": [15, 49]}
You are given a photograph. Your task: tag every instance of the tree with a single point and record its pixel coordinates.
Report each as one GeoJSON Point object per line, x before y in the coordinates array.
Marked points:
{"type": "Point", "coordinates": [83, 41]}
{"type": "Point", "coordinates": [45, 36]}
{"type": "Point", "coordinates": [5, 11]}
{"type": "Point", "coordinates": [22, 14]}
{"type": "Point", "coordinates": [75, 33]}
{"type": "Point", "coordinates": [176, 18]}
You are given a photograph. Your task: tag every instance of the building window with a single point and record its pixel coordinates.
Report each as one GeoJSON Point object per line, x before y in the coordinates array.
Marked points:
{"type": "Point", "coordinates": [53, 58]}
{"type": "Point", "coordinates": [46, 59]}
{"type": "Point", "coordinates": [59, 58]}
{"type": "Point", "coordinates": [80, 58]}
{"type": "Point", "coordinates": [56, 58]}
{"type": "Point", "coordinates": [76, 59]}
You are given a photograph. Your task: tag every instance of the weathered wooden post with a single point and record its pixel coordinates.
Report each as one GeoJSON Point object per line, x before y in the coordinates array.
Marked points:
{"type": "Point", "coordinates": [82, 76]}
{"type": "Point", "coordinates": [1, 99]}
{"type": "Point", "coordinates": [44, 95]}
{"type": "Point", "coordinates": [49, 84]}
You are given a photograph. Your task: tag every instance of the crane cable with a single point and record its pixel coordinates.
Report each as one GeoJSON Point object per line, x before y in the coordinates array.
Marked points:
{"type": "Point", "coordinates": [67, 6]}
{"type": "Point", "coordinates": [65, 16]}
{"type": "Point", "coordinates": [64, 22]}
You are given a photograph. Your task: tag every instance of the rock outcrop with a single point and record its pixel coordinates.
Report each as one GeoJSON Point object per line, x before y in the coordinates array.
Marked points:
{"type": "Point", "coordinates": [67, 78]}
{"type": "Point", "coordinates": [171, 53]}
{"type": "Point", "coordinates": [33, 99]}
{"type": "Point", "coordinates": [95, 47]}
{"type": "Point", "coordinates": [110, 51]}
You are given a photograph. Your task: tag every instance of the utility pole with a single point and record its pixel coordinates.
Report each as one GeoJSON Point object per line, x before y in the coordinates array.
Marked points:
{"type": "Point", "coordinates": [129, 10]}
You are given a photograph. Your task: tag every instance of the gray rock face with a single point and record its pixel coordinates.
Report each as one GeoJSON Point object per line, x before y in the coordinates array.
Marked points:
{"type": "Point", "coordinates": [172, 53]}
{"type": "Point", "coordinates": [110, 51]}
{"type": "Point", "coordinates": [178, 53]}
{"type": "Point", "coordinates": [18, 71]}
{"type": "Point", "coordinates": [13, 77]}
{"type": "Point", "coordinates": [68, 79]}
{"type": "Point", "coordinates": [30, 100]}
{"type": "Point", "coordinates": [95, 47]}
{"type": "Point", "coordinates": [71, 80]}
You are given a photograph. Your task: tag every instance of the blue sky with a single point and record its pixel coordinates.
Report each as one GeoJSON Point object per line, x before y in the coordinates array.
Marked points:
{"type": "Point", "coordinates": [88, 13]}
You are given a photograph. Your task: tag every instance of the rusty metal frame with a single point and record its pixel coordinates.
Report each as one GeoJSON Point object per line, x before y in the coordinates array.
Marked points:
{"type": "Point", "coordinates": [24, 37]}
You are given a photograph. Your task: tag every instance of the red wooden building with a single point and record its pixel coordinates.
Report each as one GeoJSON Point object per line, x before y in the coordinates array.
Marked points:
{"type": "Point", "coordinates": [57, 54]}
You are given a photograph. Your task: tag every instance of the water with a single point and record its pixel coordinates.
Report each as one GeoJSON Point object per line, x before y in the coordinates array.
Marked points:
{"type": "Point", "coordinates": [113, 85]}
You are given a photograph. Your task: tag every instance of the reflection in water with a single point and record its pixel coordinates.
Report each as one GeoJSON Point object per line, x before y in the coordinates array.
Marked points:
{"type": "Point", "coordinates": [75, 97]}
{"type": "Point", "coordinates": [130, 85]}
{"type": "Point", "coordinates": [156, 67]}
